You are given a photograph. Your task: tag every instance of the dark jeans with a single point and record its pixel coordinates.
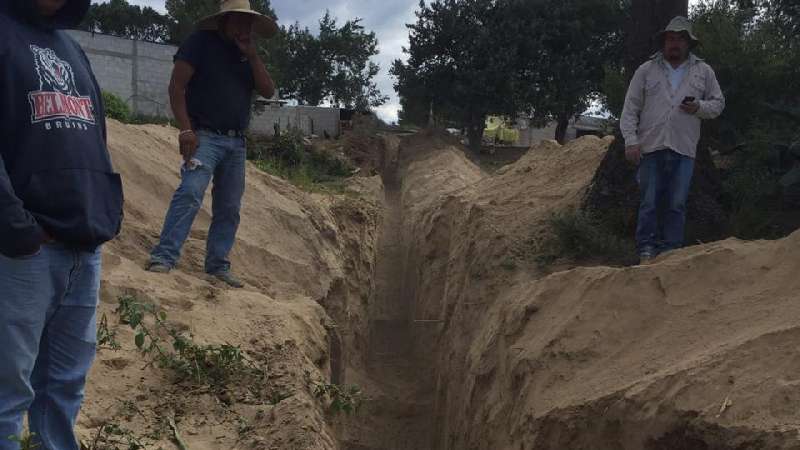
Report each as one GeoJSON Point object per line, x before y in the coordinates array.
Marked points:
{"type": "Point", "coordinates": [664, 181]}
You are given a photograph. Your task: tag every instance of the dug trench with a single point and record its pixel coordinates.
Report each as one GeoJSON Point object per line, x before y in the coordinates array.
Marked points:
{"type": "Point", "coordinates": [422, 287]}
{"type": "Point", "coordinates": [473, 345]}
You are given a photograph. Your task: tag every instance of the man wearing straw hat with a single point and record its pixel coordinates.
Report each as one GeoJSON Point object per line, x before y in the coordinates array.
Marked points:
{"type": "Point", "coordinates": [668, 97]}
{"type": "Point", "coordinates": [216, 71]}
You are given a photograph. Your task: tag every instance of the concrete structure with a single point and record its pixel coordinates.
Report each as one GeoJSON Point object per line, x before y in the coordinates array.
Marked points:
{"type": "Point", "coordinates": [136, 71]}
{"type": "Point", "coordinates": [139, 72]}
{"type": "Point", "coordinates": [311, 120]}
{"type": "Point", "coordinates": [578, 126]}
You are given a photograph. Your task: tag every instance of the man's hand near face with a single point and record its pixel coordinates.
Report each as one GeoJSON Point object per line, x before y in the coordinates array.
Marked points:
{"type": "Point", "coordinates": [246, 45]}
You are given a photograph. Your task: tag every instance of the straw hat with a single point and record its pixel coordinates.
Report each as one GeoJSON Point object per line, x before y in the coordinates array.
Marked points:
{"type": "Point", "coordinates": [679, 25]}
{"type": "Point", "coordinates": [262, 25]}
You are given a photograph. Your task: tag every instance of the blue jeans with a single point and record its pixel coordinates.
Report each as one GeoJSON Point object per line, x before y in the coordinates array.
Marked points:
{"type": "Point", "coordinates": [48, 333]}
{"type": "Point", "coordinates": [222, 158]}
{"type": "Point", "coordinates": [665, 178]}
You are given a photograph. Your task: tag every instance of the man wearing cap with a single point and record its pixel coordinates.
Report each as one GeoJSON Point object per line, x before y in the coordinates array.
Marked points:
{"type": "Point", "coordinates": [216, 71]}
{"type": "Point", "coordinates": [668, 97]}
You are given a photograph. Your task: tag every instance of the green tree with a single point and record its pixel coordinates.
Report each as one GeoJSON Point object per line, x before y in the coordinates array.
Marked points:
{"type": "Point", "coordinates": [119, 18]}
{"type": "Point", "coordinates": [299, 66]}
{"type": "Point", "coordinates": [539, 58]}
{"type": "Point", "coordinates": [348, 49]}
{"type": "Point", "coordinates": [758, 66]}
{"type": "Point", "coordinates": [458, 63]}
{"type": "Point", "coordinates": [333, 67]}
{"type": "Point", "coordinates": [561, 69]}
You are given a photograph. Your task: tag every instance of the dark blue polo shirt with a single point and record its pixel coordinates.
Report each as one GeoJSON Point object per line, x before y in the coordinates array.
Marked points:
{"type": "Point", "coordinates": [220, 93]}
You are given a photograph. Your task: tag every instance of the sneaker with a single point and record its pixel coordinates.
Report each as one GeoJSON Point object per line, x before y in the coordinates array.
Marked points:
{"type": "Point", "coordinates": [158, 267]}
{"type": "Point", "coordinates": [228, 278]}
{"type": "Point", "coordinates": [646, 256]}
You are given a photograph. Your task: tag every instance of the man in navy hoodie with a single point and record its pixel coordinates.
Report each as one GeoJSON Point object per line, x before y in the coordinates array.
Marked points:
{"type": "Point", "coordinates": [59, 201]}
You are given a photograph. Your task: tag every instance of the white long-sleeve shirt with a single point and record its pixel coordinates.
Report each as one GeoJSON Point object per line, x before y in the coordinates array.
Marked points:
{"type": "Point", "coordinates": [652, 117]}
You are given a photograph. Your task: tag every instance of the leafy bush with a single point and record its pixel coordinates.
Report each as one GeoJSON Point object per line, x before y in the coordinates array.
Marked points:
{"type": "Point", "coordinates": [143, 119]}
{"type": "Point", "coordinates": [575, 235]}
{"type": "Point", "coordinates": [758, 67]}
{"type": "Point", "coordinates": [346, 400]}
{"type": "Point", "coordinates": [116, 108]}
{"type": "Point", "coordinates": [27, 441]}
{"type": "Point", "coordinates": [211, 365]}
{"type": "Point", "coordinates": [288, 157]}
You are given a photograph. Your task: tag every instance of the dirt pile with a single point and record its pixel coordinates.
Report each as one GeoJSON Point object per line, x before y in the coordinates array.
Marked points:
{"type": "Point", "coordinates": [419, 285]}
{"type": "Point", "coordinates": [693, 352]}
{"type": "Point", "coordinates": [298, 253]}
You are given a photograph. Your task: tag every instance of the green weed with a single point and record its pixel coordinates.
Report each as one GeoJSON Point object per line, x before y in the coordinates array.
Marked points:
{"type": "Point", "coordinates": [106, 338]}
{"type": "Point", "coordinates": [286, 156]}
{"type": "Point", "coordinates": [575, 235]}
{"type": "Point", "coordinates": [26, 441]}
{"type": "Point", "coordinates": [346, 400]}
{"type": "Point", "coordinates": [211, 365]}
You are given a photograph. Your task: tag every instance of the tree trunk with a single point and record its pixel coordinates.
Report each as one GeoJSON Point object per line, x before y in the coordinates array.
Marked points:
{"type": "Point", "coordinates": [561, 128]}
{"type": "Point", "coordinates": [614, 194]}
{"type": "Point", "coordinates": [648, 17]}
{"type": "Point", "coordinates": [475, 129]}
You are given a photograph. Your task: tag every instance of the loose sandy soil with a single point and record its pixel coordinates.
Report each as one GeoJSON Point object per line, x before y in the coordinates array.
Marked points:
{"type": "Point", "coordinates": [419, 285]}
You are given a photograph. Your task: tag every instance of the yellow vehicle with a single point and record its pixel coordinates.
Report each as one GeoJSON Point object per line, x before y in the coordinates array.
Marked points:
{"type": "Point", "coordinates": [498, 131]}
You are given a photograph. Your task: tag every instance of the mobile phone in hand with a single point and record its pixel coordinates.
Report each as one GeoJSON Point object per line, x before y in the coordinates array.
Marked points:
{"type": "Point", "coordinates": [687, 100]}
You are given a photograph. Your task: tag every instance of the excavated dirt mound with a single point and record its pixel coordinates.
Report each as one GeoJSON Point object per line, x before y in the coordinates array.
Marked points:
{"type": "Point", "coordinates": [298, 253]}
{"type": "Point", "coordinates": [697, 351]}
{"type": "Point", "coordinates": [419, 286]}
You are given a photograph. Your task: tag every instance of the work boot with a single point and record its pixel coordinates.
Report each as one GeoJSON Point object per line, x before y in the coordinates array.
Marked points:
{"type": "Point", "coordinates": [646, 256]}
{"type": "Point", "coordinates": [228, 278]}
{"type": "Point", "coordinates": [157, 267]}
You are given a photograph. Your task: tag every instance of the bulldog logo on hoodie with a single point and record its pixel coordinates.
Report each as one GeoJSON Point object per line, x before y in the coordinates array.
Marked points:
{"type": "Point", "coordinates": [57, 97]}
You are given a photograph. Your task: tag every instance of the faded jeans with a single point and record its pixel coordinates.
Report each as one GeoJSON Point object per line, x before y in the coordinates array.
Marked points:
{"type": "Point", "coordinates": [48, 334]}
{"type": "Point", "coordinates": [223, 159]}
{"type": "Point", "coordinates": [665, 178]}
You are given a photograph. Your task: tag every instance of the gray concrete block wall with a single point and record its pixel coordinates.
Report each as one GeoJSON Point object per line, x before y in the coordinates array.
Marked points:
{"type": "Point", "coordinates": [103, 43]}
{"type": "Point", "coordinates": [113, 74]}
{"type": "Point", "coordinates": [138, 72]}
{"type": "Point", "coordinates": [309, 119]}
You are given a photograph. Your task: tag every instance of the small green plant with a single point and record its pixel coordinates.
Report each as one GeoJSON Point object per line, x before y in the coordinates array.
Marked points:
{"type": "Point", "coordinates": [26, 441]}
{"type": "Point", "coordinates": [576, 235]}
{"type": "Point", "coordinates": [287, 157]}
{"type": "Point", "coordinates": [116, 108]}
{"type": "Point", "coordinates": [145, 119]}
{"type": "Point", "coordinates": [212, 365]}
{"type": "Point", "coordinates": [346, 400]}
{"type": "Point", "coordinates": [106, 338]}
{"type": "Point", "coordinates": [509, 264]}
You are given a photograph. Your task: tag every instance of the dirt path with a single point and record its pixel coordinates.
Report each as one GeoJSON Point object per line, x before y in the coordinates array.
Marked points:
{"type": "Point", "coordinates": [397, 415]}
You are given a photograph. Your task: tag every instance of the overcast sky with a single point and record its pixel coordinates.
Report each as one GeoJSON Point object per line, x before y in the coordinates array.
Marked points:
{"type": "Point", "coordinates": [386, 17]}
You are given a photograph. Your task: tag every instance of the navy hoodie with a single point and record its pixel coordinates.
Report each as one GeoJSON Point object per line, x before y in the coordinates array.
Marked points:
{"type": "Point", "coordinates": [56, 178]}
